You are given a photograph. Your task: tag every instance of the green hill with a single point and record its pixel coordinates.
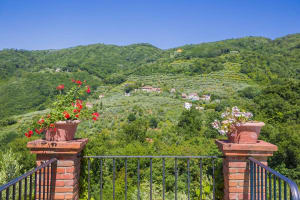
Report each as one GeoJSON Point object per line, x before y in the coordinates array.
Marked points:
{"type": "Point", "coordinates": [255, 73]}
{"type": "Point", "coordinates": [28, 77]}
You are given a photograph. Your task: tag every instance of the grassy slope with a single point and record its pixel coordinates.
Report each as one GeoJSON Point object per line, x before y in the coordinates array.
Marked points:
{"type": "Point", "coordinates": [117, 105]}
{"type": "Point", "coordinates": [221, 83]}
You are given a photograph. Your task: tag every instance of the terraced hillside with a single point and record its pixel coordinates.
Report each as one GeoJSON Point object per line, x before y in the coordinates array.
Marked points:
{"type": "Point", "coordinates": [254, 73]}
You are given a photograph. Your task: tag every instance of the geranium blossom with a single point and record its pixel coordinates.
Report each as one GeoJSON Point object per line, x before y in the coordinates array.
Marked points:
{"type": "Point", "coordinates": [66, 114]}
{"type": "Point", "coordinates": [29, 133]}
{"type": "Point", "coordinates": [39, 131]}
{"type": "Point", "coordinates": [68, 106]}
{"type": "Point", "coordinates": [78, 82]}
{"type": "Point", "coordinates": [60, 87]}
{"type": "Point", "coordinates": [95, 116]}
{"type": "Point", "coordinates": [41, 121]}
{"type": "Point", "coordinates": [79, 106]}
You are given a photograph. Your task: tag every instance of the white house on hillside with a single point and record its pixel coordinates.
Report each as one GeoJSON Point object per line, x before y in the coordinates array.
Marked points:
{"type": "Point", "coordinates": [173, 90]}
{"type": "Point", "coordinates": [193, 97]}
{"type": "Point", "coordinates": [199, 108]}
{"type": "Point", "coordinates": [150, 89]}
{"type": "Point", "coordinates": [205, 97]}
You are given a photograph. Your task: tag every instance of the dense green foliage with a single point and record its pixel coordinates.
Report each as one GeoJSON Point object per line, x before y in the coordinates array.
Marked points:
{"type": "Point", "coordinates": [253, 73]}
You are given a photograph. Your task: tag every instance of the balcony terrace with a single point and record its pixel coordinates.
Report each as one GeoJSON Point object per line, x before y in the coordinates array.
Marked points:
{"type": "Point", "coordinates": [245, 175]}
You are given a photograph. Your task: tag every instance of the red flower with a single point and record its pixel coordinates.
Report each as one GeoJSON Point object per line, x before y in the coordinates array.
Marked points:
{"type": "Point", "coordinates": [41, 121]}
{"type": "Point", "coordinates": [74, 111]}
{"type": "Point", "coordinates": [60, 87]}
{"type": "Point", "coordinates": [49, 116]}
{"type": "Point", "coordinates": [30, 132]}
{"type": "Point", "coordinates": [78, 101]}
{"type": "Point", "coordinates": [77, 116]}
{"type": "Point", "coordinates": [79, 106]}
{"type": "Point", "coordinates": [78, 82]}
{"type": "Point", "coordinates": [96, 114]}
{"type": "Point", "coordinates": [52, 125]}
{"type": "Point", "coordinates": [73, 80]}
{"type": "Point", "coordinates": [67, 115]}
{"type": "Point", "coordinates": [39, 131]}
{"type": "Point", "coordinates": [88, 90]}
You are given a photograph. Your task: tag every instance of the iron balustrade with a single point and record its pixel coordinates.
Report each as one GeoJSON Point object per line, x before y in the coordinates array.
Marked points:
{"type": "Point", "coordinates": [40, 185]}
{"type": "Point", "coordinates": [176, 166]}
{"type": "Point", "coordinates": [266, 183]}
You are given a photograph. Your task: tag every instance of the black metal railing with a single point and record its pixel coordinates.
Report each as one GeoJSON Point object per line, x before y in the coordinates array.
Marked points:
{"type": "Point", "coordinates": [266, 183]}
{"type": "Point", "coordinates": [38, 183]}
{"type": "Point", "coordinates": [151, 177]}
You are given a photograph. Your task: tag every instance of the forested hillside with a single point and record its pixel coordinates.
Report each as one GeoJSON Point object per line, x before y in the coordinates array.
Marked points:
{"type": "Point", "coordinates": [255, 73]}
{"type": "Point", "coordinates": [21, 71]}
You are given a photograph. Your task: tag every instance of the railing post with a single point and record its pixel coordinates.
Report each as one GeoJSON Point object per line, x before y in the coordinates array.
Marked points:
{"type": "Point", "coordinates": [67, 153]}
{"type": "Point", "coordinates": [236, 166]}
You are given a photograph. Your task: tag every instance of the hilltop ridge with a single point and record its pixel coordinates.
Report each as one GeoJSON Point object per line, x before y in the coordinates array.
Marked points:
{"type": "Point", "coordinates": [36, 73]}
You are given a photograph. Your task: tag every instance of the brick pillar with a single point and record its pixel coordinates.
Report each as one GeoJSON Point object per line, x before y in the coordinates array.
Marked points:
{"type": "Point", "coordinates": [68, 164]}
{"type": "Point", "coordinates": [236, 166]}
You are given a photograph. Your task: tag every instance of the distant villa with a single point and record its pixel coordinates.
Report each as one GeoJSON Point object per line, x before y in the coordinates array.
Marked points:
{"type": "Point", "coordinates": [193, 97]}
{"type": "Point", "coordinates": [150, 89]}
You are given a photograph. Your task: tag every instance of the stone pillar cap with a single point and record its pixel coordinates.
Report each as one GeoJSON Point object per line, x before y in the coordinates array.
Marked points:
{"type": "Point", "coordinates": [41, 146]}
{"type": "Point", "coordinates": [261, 148]}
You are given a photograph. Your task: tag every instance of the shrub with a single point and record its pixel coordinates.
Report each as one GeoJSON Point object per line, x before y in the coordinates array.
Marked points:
{"type": "Point", "coordinates": [190, 122]}
{"type": "Point", "coordinates": [131, 117]}
{"type": "Point", "coordinates": [9, 167]}
{"type": "Point", "coordinates": [136, 130]}
{"type": "Point", "coordinates": [153, 122]}
{"type": "Point", "coordinates": [249, 92]}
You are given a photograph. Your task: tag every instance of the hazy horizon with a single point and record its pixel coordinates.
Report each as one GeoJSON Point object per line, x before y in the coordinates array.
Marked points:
{"type": "Point", "coordinates": [146, 43]}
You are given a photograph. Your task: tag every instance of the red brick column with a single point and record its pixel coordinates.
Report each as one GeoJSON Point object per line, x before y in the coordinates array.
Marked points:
{"type": "Point", "coordinates": [68, 164]}
{"type": "Point", "coordinates": [236, 166]}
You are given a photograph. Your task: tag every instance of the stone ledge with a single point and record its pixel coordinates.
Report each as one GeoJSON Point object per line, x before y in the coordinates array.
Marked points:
{"type": "Point", "coordinates": [41, 146]}
{"type": "Point", "coordinates": [261, 148]}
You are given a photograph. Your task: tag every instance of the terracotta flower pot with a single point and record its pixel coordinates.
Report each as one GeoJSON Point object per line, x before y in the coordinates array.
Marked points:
{"type": "Point", "coordinates": [63, 131]}
{"type": "Point", "coordinates": [246, 133]}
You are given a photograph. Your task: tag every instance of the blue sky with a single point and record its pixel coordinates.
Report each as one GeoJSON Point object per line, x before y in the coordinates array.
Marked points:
{"type": "Point", "coordinates": [55, 24]}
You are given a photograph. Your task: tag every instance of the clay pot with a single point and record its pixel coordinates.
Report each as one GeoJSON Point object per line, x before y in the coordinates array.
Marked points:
{"type": "Point", "coordinates": [63, 131]}
{"type": "Point", "coordinates": [246, 133]}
